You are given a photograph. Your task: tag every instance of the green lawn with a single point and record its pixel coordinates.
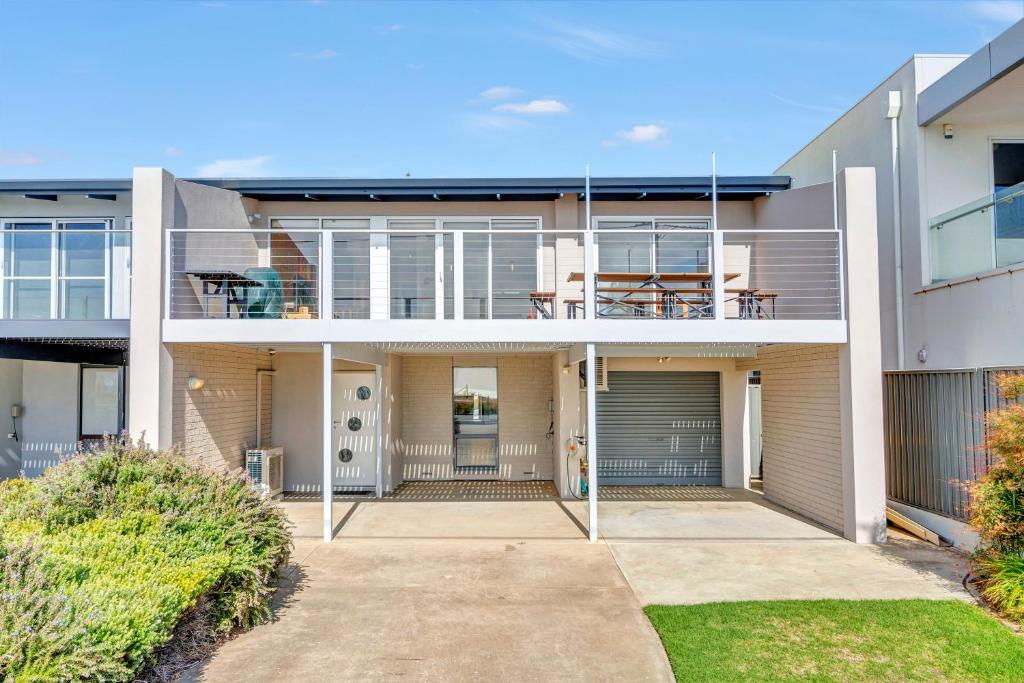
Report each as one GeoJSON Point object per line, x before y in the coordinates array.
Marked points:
{"type": "Point", "coordinates": [838, 640]}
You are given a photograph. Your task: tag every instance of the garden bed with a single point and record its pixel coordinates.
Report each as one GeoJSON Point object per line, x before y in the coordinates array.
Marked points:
{"type": "Point", "coordinates": [126, 561]}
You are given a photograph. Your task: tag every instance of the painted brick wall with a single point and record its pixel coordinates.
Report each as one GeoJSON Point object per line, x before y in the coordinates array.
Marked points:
{"type": "Point", "coordinates": [524, 392]}
{"type": "Point", "coordinates": [801, 426]}
{"type": "Point", "coordinates": [218, 422]}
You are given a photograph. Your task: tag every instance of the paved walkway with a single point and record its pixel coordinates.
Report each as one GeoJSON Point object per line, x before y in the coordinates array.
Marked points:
{"type": "Point", "coordinates": [464, 590]}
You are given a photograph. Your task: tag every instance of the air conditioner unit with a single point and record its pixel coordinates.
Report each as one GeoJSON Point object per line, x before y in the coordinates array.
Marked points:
{"type": "Point", "coordinates": [265, 467]}
{"type": "Point", "coordinates": [600, 374]}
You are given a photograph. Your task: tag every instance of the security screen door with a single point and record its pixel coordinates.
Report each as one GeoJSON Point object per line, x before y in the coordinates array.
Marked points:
{"type": "Point", "coordinates": [475, 417]}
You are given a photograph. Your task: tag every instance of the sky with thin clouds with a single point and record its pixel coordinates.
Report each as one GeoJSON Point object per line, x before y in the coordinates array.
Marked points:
{"type": "Point", "coordinates": [385, 89]}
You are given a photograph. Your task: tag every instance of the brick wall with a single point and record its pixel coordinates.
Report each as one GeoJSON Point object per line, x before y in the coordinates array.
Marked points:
{"type": "Point", "coordinates": [800, 417]}
{"type": "Point", "coordinates": [218, 422]}
{"type": "Point", "coordinates": [524, 392]}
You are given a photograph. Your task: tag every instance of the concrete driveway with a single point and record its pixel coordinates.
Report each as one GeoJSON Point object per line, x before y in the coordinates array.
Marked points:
{"type": "Point", "coordinates": [462, 590]}
{"type": "Point", "coordinates": [448, 591]}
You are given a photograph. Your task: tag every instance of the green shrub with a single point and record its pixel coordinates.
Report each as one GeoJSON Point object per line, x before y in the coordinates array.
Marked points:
{"type": "Point", "coordinates": [106, 553]}
{"type": "Point", "coordinates": [997, 507]}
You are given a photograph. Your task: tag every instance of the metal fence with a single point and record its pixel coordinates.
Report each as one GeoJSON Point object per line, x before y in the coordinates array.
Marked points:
{"type": "Point", "coordinates": [935, 435]}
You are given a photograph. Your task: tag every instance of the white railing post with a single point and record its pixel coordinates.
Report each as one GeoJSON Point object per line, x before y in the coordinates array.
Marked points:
{"type": "Point", "coordinates": [326, 275]}
{"type": "Point", "coordinates": [718, 273]}
{"type": "Point", "coordinates": [458, 276]}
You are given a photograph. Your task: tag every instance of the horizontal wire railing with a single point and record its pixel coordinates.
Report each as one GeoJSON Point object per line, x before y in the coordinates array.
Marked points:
{"type": "Point", "coordinates": [480, 274]}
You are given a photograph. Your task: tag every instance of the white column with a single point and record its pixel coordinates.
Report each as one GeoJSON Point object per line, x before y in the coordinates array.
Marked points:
{"type": "Point", "coordinates": [860, 364]}
{"type": "Point", "coordinates": [150, 378]}
{"type": "Point", "coordinates": [326, 275]}
{"type": "Point", "coordinates": [328, 442]}
{"type": "Point", "coordinates": [379, 431]}
{"type": "Point", "coordinates": [380, 276]}
{"type": "Point", "coordinates": [592, 441]}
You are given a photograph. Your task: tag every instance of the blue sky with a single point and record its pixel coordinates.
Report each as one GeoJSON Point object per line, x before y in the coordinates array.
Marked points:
{"type": "Point", "coordinates": [325, 88]}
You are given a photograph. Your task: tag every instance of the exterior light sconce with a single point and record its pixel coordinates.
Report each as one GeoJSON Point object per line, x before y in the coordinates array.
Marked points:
{"type": "Point", "coordinates": [664, 359]}
{"type": "Point", "coordinates": [922, 355]}
{"type": "Point", "coordinates": [566, 369]}
{"type": "Point", "coordinates": [195, 383]}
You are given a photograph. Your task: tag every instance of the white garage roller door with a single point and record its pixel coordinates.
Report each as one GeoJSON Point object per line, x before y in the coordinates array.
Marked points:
{"type": "Point", "coordinates": [660, 428]}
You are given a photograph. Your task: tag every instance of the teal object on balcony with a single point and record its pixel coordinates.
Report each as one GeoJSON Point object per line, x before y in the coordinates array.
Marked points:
{"type": "Point", "coordinates": [266, 301]}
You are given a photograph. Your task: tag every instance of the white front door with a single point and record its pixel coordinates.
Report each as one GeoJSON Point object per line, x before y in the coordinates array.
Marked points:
{"type": "Point", "coordinates": [354, 426]}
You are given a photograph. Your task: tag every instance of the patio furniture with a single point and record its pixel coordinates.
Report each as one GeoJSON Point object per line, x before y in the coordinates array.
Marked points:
{"type": "Point", "coordinates": [542, 305]}
{"type": "Point", "coordinates": [671, 295]}
{"type": "Point", "coordinates": [227, 285]}
{"type": "Point", "coordinates": [268, 300]}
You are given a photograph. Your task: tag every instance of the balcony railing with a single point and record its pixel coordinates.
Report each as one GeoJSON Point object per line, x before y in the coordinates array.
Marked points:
{"type": "Point", "coordinates": [505, 270]}
{"type": "Point", "coordinates": [64, 270]}
{"type": "Point", "coordinates": [980, 236]}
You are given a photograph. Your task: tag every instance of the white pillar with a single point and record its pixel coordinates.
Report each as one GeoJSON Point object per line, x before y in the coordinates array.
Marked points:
{"type": "Point", "coordinates": [379, 431]}
{"type": "Point", "coordinates": [592, 441]}
{"type": "Point", "coordinates": [380, 275]}
{"type": "Point", "coordinates": [326, 307]}
{"type": "Point", "coordinates": [150, 378]}
{"type": "Point", "coordinates": [328, 442]}
{"type": "Point", "coordinates": [860, 364]}
{"type": "Point", "coordinates": [458, 276]}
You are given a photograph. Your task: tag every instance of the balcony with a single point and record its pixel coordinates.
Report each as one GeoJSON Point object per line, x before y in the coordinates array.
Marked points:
{"type": "Point", "coordinates": [978, 237]}
{"type": "Point", "coordinates": [66, 270]}
{"type": "Point", "coordinates": [505, 270]}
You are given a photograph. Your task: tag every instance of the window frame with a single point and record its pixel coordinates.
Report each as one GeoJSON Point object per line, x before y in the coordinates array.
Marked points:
{"type": "Point", "coordinates": [82, 367]}
{"type": "Point", "coordinates": [495, 439]}
{"type": "Point", "coordinates": [58, 263]}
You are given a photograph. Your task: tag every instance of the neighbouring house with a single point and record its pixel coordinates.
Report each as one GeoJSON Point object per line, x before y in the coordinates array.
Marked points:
{"type": "Point", "coordinates": [945, 134]}
{"type": "Point", "coordinates": [389, 331]}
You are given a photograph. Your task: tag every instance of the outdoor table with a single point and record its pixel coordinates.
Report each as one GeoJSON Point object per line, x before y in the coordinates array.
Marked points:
{"type": "Point", "coordinates": [671, 300]}
{"type": "Point", "coordinates": [225, 283]}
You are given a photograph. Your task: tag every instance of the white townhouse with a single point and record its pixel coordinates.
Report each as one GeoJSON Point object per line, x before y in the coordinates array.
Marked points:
{"type": "Point", "coordinates": [945, 134]}
{"type": "Point", "coordinates": [382, 332]}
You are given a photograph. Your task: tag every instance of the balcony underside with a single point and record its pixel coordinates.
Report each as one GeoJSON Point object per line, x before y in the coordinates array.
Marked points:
{"type": "Point", "coordinates": [64, 329]}
{"type": "Point", "coordinates": [508, 331]}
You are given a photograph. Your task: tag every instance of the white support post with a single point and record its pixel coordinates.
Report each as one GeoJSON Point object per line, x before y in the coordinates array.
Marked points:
{"type": "Point", "coordinates": [379, 431]}
{"type": "Point", "coordinates": [439, 276]}
{"type": "Point", "coordinates": [458, 275]}
{"type": "Point", "coordinates": [592, 441]}
{"type": "Point", "coordinates": [328, 441]}
{"type": "Point", "coordinates": [718, 273]}
{"type": "Point", "coordinates": [326, 275]}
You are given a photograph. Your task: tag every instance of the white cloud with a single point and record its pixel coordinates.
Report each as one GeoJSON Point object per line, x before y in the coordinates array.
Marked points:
{"type": "Point", "coordinates": [646, 134]}
{"type": "Point", "coordinates": [1001, 11]}
{"type": "Point", "coordinates": [593, 44]}
{"type": "Point", "coordinates": [172, 151]}
{"type": "Point", "coordinates": [546, 106]}
{"type": "Point", "coordinates": [234, 168]}
{"type": "Point", "coordinates": [500, 92]}
{"type": "Point", "coordinates": [393, 28]}
{"type": "Point", "coordinates": [326, 53]}
{"type": "Point", "coordinates": [810, 106]}
{"type": "Point", "coordinates": [11, 158]}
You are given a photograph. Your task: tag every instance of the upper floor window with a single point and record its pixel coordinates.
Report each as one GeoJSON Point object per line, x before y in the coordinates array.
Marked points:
{"type": "Point", "coordinates": [59, 268]}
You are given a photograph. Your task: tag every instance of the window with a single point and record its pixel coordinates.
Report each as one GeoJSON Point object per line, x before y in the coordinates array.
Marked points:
{"type": "Point", "coordinates": [413, 272]}
{"type": "Point", "coordinates": [475, 417]}
{"type": "Point", "coordinates": [1008, 191]}
{"type": "Point", "coordinates": [351, 268]}
{"type": "Point", "coordinates": [100, 403]}
{"type": "Point", "coordinates": [56, 269]}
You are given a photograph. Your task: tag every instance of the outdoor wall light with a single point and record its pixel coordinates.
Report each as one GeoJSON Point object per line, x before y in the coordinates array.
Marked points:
{"type": "Point", "coordinates": [664, 359]}
{"type": "Point", "coordinates": [566, 369]}
{"type": "Point", "coordinates": [195, 383]}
